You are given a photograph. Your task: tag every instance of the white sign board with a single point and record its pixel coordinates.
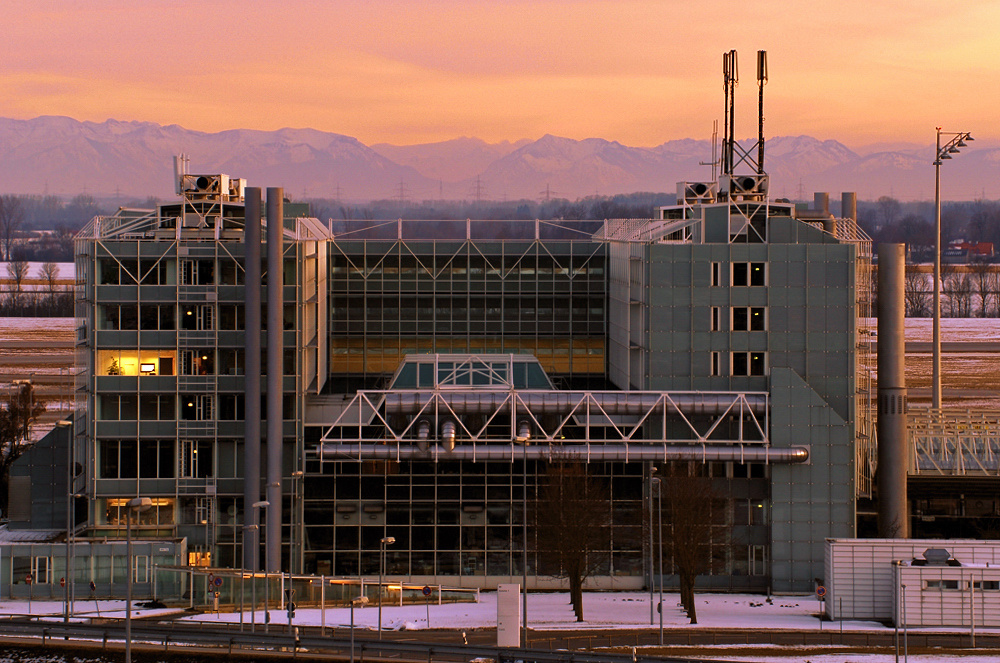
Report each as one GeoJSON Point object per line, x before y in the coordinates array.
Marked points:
{"type": "Point", "coordinates": [509, 615]}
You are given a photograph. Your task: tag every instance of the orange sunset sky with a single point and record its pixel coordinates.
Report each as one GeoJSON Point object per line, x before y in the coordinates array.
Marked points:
{"type": "Point", "coordinates": [414, 71]}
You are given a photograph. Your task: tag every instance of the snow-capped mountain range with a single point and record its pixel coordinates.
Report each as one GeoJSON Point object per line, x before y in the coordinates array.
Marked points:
{"type": "Point", "coordinates": [63, 156]}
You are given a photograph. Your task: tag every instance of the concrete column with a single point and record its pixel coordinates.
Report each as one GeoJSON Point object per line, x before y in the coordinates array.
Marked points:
{"type": "Point", "coordinates": [893, 445]}
{"type": "Point", "coordinates": [275, 350]}
{"type": "Point", "coordinates": [252, 372]}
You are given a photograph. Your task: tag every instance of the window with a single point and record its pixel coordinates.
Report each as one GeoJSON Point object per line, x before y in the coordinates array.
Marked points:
{"type": "Point", "coordinates": [118, 407]}
{"type": "Point", "coordinates": [716, 323]}
{"type": "Point", "coordinates": [196, 459]}
{"type": "Point", "coordinates": [129, 362]}
{"type": "Point", "coordinates": [231, 272]}
{"type": "Point", "coordinates": [231, 317]}
{"type": "Point", "coordinates": [941, 584]}
{"type": "Point", "coordinates": [716, 364]}
{"type": "Point", "coordinates": [123, 317]}
{"type": "Point", "coordinates": [39, 568]}
{"type": "Point", "coordinates": [128, 459]}
{"type": "Point", "coordinates": [231, 407]}
{"type": "Point", "coordinates": [156, 317]}
{"type": "Point", "coordinates": [197, 317]}
{"type": "Point", "coordinates": [197, 272]}
{"type": "Point", "coordinates": [748, 318]}
{"type": "Point", "coordinates": [758, 560]}
{"type": "Point", "coordinates": [160, 513]}
{"type": "Point", "coordinates": [231, 361]}
{"type": "Point", "coordinates": [716, 274]}
{"type": "Point", "coordinates": [118, 272]}
{"type": "Point", "coordinates": [156, 459]}
{"type": "Point", "coordinates": [118, 459]}
{"type": "Point", "coordinates": [140, 568]}
{"type": "Point", "coordinates": [197, 510]}
{"type": "Point", "coordinates": [156, 272]}
{"type": "Point", "coordinates": [157, 407]}
{"type": "Point", "coordinates": [749, 274]}
{"type": "Point", "coordinates": [750, 512]}
{"type": "Point", "coordinates": [197, 362]}
{"type": "Point", "coordinates": [197, 407]}
{"type": "Point", "coordinates": [749, 363]}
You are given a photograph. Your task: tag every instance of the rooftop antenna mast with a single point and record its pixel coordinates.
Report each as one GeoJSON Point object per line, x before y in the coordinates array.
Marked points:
{"type": "Point", "coordinates": [761, 81]}
{"type": "Point", "coordinates": [731, 78]}
{"type": "Point", "coordinates": [715, 148]}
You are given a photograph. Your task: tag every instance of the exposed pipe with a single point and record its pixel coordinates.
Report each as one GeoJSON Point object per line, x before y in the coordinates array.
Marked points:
{"type": "Point", "coordinates": [562, 402]}
{"type": "Point", "coordinates": [252, 379]}
{"type": "Point", "coordinates": [448, 433]}
{"type": "Point", "coordinates": [423, 433]}
{"type": "Point", "coordinates": [523, 431]}
{"type": "Point", "coordinates": [571, 452]}
{"type": "Point", "coordinates": [821, 202]}
{"type": "Point", "coordinates": [849, 205]}
{"type": "Point", "coordinates": [275, 350]}
{"type": "Point", "coordinates": [893, 450]}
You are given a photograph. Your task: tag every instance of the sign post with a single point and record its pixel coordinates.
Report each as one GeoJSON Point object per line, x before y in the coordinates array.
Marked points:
{"type": "Point", "coordinates": [427, 601]}
{"type": "Point", "coordinates": [821, 595]}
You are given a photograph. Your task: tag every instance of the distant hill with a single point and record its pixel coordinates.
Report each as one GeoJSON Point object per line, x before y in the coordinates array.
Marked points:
{"type": "Point", "coordinates": [63, 156]}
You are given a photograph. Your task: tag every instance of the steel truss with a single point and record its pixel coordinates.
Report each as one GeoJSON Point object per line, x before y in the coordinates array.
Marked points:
{"type": "Point", "coordinates": [954, 443]}
{"type": "Point", "coordinates": [487, 423]}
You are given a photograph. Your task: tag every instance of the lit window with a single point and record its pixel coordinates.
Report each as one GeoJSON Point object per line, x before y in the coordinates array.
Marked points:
{"type": "Point", "coordinates": [749, 274]}
{"type": "Point", "coordinates": [749, 363]}
{"type": "Point", "coordinates": [749, 318]}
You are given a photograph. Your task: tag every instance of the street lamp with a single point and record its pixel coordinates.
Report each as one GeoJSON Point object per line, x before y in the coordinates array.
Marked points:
{"type": "Point", "coordinates": [67, 425]}
{"type": "Point", "coordinates": [655, 483]}
{"type": "Point", "coordinates": [136, 504]}
{"type": "Point", "coordinates": [255, 560]}
{"type": "Point", "coordinates": [356, 601]}
{"type": "Point", "coordinates": [293, 526]}
{"type": "Point", "coordinates": [943, 152]}
{"type": "Point", "coordinates": [649, 496]}
{"type": "Point", "coordinates": [383, 542]}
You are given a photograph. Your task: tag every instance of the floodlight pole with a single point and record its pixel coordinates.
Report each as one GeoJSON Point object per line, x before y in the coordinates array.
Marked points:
{"type": "Point", "coordinates": [255, 561]}
{"type": "Point", "coordinates": [67, 426]}
{"type": "Point", "coordinates": [385, 541]}
{"type": "Point", "coordinates": [941, 152]}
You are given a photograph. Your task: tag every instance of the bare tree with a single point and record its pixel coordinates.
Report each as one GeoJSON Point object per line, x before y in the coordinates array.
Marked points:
{"type": "Point", "coordinates": [958, 288]}
{"type": "Point", "coordinates": [50, 272]}
{"type": "Point", "coordinates": [984, 282]}
{"type": "Point", "coordinates": [917, 293]}
{"type": "Point", "coordinates": [889, 210]}
{"type": "Point", "coordinates": [17, 271]}
{"type": "Point", "coordinates": [572, 514]}
{"type": "Point", "coordinates": [18, 412]}
{"type": "Point", "coordinates": [11, 219]}
{"type": "Point", "coordinates": [691, 509]}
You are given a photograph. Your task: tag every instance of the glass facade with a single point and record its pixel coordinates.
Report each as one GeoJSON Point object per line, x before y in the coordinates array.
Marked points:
{"type": "Point", "coordinates": [161, 301]}
{"type": "Point", "coordinates": [388, 300]}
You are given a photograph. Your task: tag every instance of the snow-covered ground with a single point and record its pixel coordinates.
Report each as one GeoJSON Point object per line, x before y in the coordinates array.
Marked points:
{"type": "Point", "coordinates": [602, 610]}
{"type": "Point", "coordinates": [65, 271]}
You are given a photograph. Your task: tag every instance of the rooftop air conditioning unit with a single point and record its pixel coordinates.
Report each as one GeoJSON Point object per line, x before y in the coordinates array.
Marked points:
{"type": "Point", "coordinates": [204, 186]}
{"type": "Point", "coordinates": [748, 185]}
{"type": "Point", "coordinates": [693, 193]}
{"type": "Point", "coordinates": [237, 188]}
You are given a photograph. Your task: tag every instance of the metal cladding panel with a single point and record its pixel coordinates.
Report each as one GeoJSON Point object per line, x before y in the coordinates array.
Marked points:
{"type": "Point", "coordinates": [863, 570]}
